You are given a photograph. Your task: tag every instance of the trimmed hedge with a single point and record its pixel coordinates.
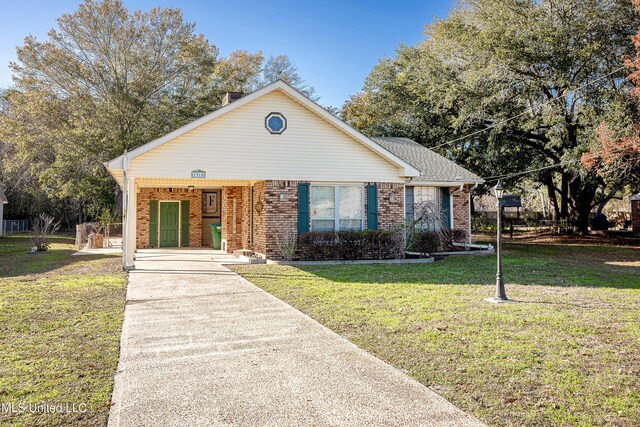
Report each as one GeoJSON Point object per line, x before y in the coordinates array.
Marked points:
{"type": "Point", "coordinates": [351, 245]}
{"type": "Point", "coordinates": [426, 242]}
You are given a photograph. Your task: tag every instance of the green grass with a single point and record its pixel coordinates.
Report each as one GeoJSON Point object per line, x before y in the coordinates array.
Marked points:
{"type": "Point", "coordinates": [60, 322]}
{"type": "Point", "coordinates": [567, 354]}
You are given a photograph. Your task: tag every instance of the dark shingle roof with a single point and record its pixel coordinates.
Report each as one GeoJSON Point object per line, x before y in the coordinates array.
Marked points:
{"type": "Point", "coordinates": [433, 166]}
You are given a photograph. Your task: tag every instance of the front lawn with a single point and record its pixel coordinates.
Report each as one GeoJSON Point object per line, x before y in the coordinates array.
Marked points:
{"type": "Point", "coordinates": [60, 321]}
{"type": "Point", "coordinates": [568, 353]}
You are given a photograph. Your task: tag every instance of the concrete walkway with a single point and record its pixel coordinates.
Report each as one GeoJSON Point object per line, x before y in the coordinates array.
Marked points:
{"type": "Point", "coordinates": [203, 347]}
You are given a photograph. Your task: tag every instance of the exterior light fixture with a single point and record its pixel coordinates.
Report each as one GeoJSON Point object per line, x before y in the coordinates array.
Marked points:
{"type": "Point", "coordinates": [392, 197]}
{"type": "Point", "coordinates": [281, 197]}
{"type": "Point", "coordinates": [499, 191]}
{"type": "Point", "coordinates": [191, 188]}
{"type": "Point", "coordinates": [501, 295]}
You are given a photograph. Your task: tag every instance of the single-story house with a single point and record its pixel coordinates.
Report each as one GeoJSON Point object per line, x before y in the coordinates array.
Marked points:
{"type": "Point", "coordinates": [274, 162]}
{"type": "Point", "coordinates": [3, 201]}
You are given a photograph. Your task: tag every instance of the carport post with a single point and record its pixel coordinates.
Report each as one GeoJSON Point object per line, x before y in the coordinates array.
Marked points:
{"type": "Point", "coordinates": [130, 220]}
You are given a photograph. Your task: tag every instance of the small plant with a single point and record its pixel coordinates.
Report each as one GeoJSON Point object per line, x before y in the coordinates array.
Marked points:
{"type": "Point", "coordinates": [287, 244]}
{"type": "Point", "coordinates": [41, 231]}
{"type": "Point", "coordinates": [106, 218]}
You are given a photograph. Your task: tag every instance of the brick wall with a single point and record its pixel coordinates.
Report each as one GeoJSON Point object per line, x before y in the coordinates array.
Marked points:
{"type": "Point", "coordinates": [390, 214]}
{"type": "Point", "coordinates": [281, 216]}
{"type": "Point", "coordinates": [461, 210]}
{"type": "Point", "coordinates": [195, 212]}
{"type": "Point", "coordinates": [635, 217]}
{"type": "Point", "coordinates": [259, 217]}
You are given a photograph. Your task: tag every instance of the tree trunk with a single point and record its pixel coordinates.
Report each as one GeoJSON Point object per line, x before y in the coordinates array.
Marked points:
{"type": "Point", "coordinates": [582, 195]}
{"type": "Point", "coordinates": [551, 190]}
{"type": "Point", "coordinates": [605, 199]}
{"type": "Point", "coordinates": [564, 197]}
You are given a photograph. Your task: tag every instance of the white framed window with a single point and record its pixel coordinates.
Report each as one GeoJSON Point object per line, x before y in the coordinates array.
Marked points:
{"type": "Point", "coordinates": [426, 208]}
{"type": "Point", "coordinates": [337, 207]}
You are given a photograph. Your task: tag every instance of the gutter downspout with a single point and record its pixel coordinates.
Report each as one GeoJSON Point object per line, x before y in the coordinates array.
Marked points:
{"type": "Point", "coordinates": [125, 197]}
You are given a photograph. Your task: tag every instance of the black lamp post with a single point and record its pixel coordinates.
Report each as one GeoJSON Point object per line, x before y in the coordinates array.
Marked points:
{"type": "Point", "coordinates": [500, 292]}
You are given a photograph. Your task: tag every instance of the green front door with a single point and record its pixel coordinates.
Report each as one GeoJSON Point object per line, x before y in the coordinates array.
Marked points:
{"type": "Point", "coordinates": [169, 220]}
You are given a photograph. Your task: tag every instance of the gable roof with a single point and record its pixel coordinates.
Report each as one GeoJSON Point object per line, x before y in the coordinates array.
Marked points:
{"type": "Point", "coordinates": [434, 168]}
{"type": "Point", "coordinates": [407, 169]}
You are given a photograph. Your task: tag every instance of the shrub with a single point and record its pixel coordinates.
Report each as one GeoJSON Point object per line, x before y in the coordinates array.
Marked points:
{"type": "Point", "coordinates": [449, 237]}
{"type": "Point", "coordinates": [41, 231]}
{"type": "Point", "coordinates": [286, 245]}
{"type": "Point", "coordinates": [351, 245]}
{"type": "Point", "coordinates": [424, 242]}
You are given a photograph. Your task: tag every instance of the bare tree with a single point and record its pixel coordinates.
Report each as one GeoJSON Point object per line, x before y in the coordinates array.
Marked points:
{"type": "Point", "coordinates": [41, 231]}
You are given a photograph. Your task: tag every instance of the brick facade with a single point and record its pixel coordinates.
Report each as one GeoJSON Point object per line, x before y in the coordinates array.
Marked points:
{"type": "Point", "coordinates": [390, 214]}
{"type": "Point", "coordinates": [165, 194]}
{"type": "Point", "coordinates": [461, 210]}
{"type": "Point", "coordinates": [273, 219]}
{"type": "Point", "coordinates": [260, 217]}
{"type": "Point", "coordinates": [281, 216]}
{"type": "Point", "coordinates": [635, 217]}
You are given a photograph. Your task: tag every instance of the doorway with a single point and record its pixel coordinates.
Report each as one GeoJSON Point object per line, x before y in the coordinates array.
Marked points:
{"type": "Point", "coordinates": [169, 224]}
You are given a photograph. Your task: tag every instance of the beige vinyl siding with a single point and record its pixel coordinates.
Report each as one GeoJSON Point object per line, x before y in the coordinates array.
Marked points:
{"type": "Point", "coordinates": [236, 145]}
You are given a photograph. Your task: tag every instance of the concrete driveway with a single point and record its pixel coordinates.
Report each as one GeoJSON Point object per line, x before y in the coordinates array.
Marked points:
{"type": "Point", "coordinates": [201, 346]}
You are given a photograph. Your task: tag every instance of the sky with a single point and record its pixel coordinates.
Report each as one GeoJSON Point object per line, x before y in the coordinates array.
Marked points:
{"type": "Point", "coordinates": [333, 43]}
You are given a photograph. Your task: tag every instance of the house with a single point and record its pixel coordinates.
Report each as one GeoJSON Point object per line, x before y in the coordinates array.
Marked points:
{"type": "Point", "coordinates": [3, 201]}
{"type": "Point", "coordinates": [272, 163]}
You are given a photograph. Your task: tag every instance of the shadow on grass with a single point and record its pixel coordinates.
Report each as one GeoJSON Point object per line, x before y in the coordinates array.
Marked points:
{"type": "Point", "coordinates": [539, 265]}
{"type": "Point", "coordinates": [15, 259]}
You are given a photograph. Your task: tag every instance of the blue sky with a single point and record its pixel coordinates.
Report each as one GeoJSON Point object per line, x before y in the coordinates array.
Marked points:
{"type": "Point", "coordinates": [333, 43]}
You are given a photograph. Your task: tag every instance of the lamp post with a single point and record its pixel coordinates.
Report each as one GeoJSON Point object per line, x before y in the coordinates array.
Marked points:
{"type": "Point", "coordinates": [500, 292]}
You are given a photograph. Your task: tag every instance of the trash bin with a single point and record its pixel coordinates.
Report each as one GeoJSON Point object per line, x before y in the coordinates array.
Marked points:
{"type": "Point", "coordinates": [216, 234]}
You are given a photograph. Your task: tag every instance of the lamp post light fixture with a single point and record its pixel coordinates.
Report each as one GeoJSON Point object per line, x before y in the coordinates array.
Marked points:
{"type": "Point", "coordinates": [501, 295]}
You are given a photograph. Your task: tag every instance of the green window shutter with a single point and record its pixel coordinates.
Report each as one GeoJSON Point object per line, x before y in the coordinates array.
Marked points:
{"type": "Point", "coordinates": [372, 207]}
{"type": "Point", "coordinates": [303, 208]}
{"type": "Point", "coordinates": [184, 211]}
{"type": "Point", "coordinates": [153, 223]}
{"type": "Point", "coordinates": [445, 197]}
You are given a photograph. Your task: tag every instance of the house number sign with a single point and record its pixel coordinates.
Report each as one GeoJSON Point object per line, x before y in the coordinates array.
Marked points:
{"type": "Point", "coordinates": [198, 173]}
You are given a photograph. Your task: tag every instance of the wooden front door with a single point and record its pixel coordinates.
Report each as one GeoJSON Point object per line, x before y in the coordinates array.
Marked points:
{"type": "Point", "coordinates": [169, 224]}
